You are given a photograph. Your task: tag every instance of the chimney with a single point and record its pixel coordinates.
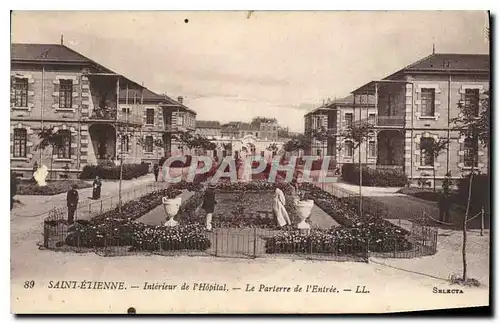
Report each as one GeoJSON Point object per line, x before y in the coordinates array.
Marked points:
{"type": "Point", "coordinates": [179, 99]}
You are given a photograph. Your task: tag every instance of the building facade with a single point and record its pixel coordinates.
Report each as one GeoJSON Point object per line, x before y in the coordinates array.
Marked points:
{"type": "Point", "coordinates": [417, 104]}
{"type": "Point", "coordinates": [53, 86]}
{"type": "Point", "coordinates": [162, 118]}
{"type": "Point", "coordinates": [208, 128]}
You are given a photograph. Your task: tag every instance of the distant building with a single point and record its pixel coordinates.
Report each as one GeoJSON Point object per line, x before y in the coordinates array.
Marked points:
{"type": "Point", "coordinates": [208, 128]}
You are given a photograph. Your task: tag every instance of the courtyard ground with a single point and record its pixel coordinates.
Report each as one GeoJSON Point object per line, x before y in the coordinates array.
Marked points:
{"type": "Point", "coordinates": [394, 285]}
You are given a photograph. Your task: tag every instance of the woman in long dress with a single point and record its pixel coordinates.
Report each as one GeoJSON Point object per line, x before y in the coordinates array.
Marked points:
{"type": "Point", "coordinates": [279, 208]}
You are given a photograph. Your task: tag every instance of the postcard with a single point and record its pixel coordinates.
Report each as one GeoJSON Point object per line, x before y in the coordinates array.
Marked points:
{"type": "Point", "coordinates": [222, 162]}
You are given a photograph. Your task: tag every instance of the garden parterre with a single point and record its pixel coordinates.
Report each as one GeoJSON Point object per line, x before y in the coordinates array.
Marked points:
{"type": "Point", "coordinates": [120, 229]}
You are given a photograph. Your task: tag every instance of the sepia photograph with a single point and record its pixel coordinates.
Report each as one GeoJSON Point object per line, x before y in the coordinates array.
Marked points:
{"type": "Point", "coordinates": [250, 162]}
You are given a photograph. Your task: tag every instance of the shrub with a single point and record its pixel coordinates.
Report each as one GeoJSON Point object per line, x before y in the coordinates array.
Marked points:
{"type": "Point", "coordinates": [480, 195]}
{"type": "Point", "coordinates": [374, 177]}
{"type": "Point", "coordinates": [129, 171]}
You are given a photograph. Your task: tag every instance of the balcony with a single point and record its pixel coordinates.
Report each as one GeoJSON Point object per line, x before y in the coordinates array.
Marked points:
{"type": "Point", "coordinates": [390, 120]}
{"type": "Point", "coordinates": [397, 168]}
{"type": "Point", "coordinates": [112, 116]}
{"type": "Point", "coordinates": [175, 128]}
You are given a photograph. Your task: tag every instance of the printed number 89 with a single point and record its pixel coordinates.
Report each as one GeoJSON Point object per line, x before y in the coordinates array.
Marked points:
{"type": "Point", "coordinates": [29, 284]}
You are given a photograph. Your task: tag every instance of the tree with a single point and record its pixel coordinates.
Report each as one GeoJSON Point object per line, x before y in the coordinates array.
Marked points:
{"type": "Point", "coordinates": [298, 142]}
{"type": "Point", "coordinates": [273, 147]}
{"type": "Point", "coordinates": [197, 141]}
{"type": "Point", "coordinates": [433, 148]}
{"type": "Point", "coordinates": [54, 139]}
{"type": "Point", "coordinates": [474, 124]}
{"type": "Point", "coordinates": [357, 134]}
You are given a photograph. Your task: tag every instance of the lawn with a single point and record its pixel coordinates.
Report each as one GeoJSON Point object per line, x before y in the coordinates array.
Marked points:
{"type": "Point", "coordinates": [27, 187]}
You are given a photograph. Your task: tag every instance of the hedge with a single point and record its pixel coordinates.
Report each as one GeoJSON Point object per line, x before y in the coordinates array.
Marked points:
{"type": "Point", "coordinates": [52, 187]}
{"type": "Point", "coordinates": [373, 177]}
{"type": "Point", "coordinates": [130, 171]}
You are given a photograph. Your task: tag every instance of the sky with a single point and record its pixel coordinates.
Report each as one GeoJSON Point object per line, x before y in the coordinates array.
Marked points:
{"type": "Point", "coordinates": [233, 66]}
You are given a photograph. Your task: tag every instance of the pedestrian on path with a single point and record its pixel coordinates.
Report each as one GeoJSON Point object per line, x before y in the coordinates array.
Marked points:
{"type": "Point", "coordinates": [208, 205]}
{"type": "Point", "coordinates": [444, 207]}
{"type": "Point", "coordinates": [156, 170]}
{"type": "Point", "coordinates": [96, 191]}
{"type": "Point", "coordinates": [13, 189]}
{"type": "Point", "coordinates": [72, 203]}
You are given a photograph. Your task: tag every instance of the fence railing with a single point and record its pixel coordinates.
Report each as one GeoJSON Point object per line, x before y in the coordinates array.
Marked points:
{"type": "Point", "coordinates": [87, 210]}
{"type": "Point", "coordinates": [253, 243]}
{"type": "Point", "coordinates": [369, 205]}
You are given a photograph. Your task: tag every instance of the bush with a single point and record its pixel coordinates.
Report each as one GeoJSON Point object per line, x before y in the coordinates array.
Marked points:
{"type": "Point", "coordinates": [480, 195]}
{"type": "Point", "coordinates": [130, 171]}
{"type": "Point", "coordinates": [180, 164]}
{"type": "Point", "coordinates": [52, 188]}
{"type": "Point", "coordinates": [374, 177]}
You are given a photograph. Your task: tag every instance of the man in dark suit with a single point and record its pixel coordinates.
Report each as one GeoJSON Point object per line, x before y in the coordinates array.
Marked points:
{"type": "Point", "coordinates": [72, 202]}
{"type": "Point", "coordinates": [13, 189]}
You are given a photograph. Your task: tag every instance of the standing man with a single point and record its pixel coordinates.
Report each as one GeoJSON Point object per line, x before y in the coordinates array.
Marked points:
{"type": "Point", "coordinates": [444, 207]}
{"type": "Point", "coordinates": [72, 202]}
{"type": "Point", "coordinates": [156, 170]}
{"type": "Point", "coordinates": [96, 191]}
{"type": "Point", "coordinates": [209, 205]}
{"type": "Point", "coordinates": [13, 189]}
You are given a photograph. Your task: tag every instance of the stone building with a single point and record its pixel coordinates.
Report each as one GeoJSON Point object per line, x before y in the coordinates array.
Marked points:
{"type": "Point", "coordinates": [54, 86]}
{"type": "Point", "coordinates": [415, 104]}
{"type": "Point", "coordinates": [162, 118]}
{"type": "Point", "coordinates": [208, 128]}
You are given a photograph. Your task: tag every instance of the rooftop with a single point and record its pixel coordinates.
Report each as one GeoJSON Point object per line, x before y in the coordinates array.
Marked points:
{"type": "Point", "coordinates": [437, 63]}
{"type": "Point", "coordinates": [346, 101]}
{"type": "Point", "coordinates": [207, 124]}
{"type": "Point", "coordinates": [57, 54]}
{"type": "Point", "coordinates": [45, 52]}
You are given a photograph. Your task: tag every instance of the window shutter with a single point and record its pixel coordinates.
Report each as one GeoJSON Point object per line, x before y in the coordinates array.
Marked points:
{"type": "Point", "coordinates": [461, 157]}
{"type": "Point", "coordinates": [31, 97]}
{"type": "Point", "coordinates": [75, 100]}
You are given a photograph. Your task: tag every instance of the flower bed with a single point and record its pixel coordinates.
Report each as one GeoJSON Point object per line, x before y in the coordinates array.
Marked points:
{"type": "Point", "coordinates": [340, 211]}
{"type": "Point", "coordinates": [140, 237]}
{"type": "Point", "coordinates": [370, 235]}
{"type": "Point", "coordinates": [113, 228]}
{"type": "Point", "coordinates": [129, 171]}
{"type": "Point", "coordinates": [52, 187]}
{"type": "Point", "coordinates": [258, 187]}
{"type": "Point", "coordinates": [182, 237]}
